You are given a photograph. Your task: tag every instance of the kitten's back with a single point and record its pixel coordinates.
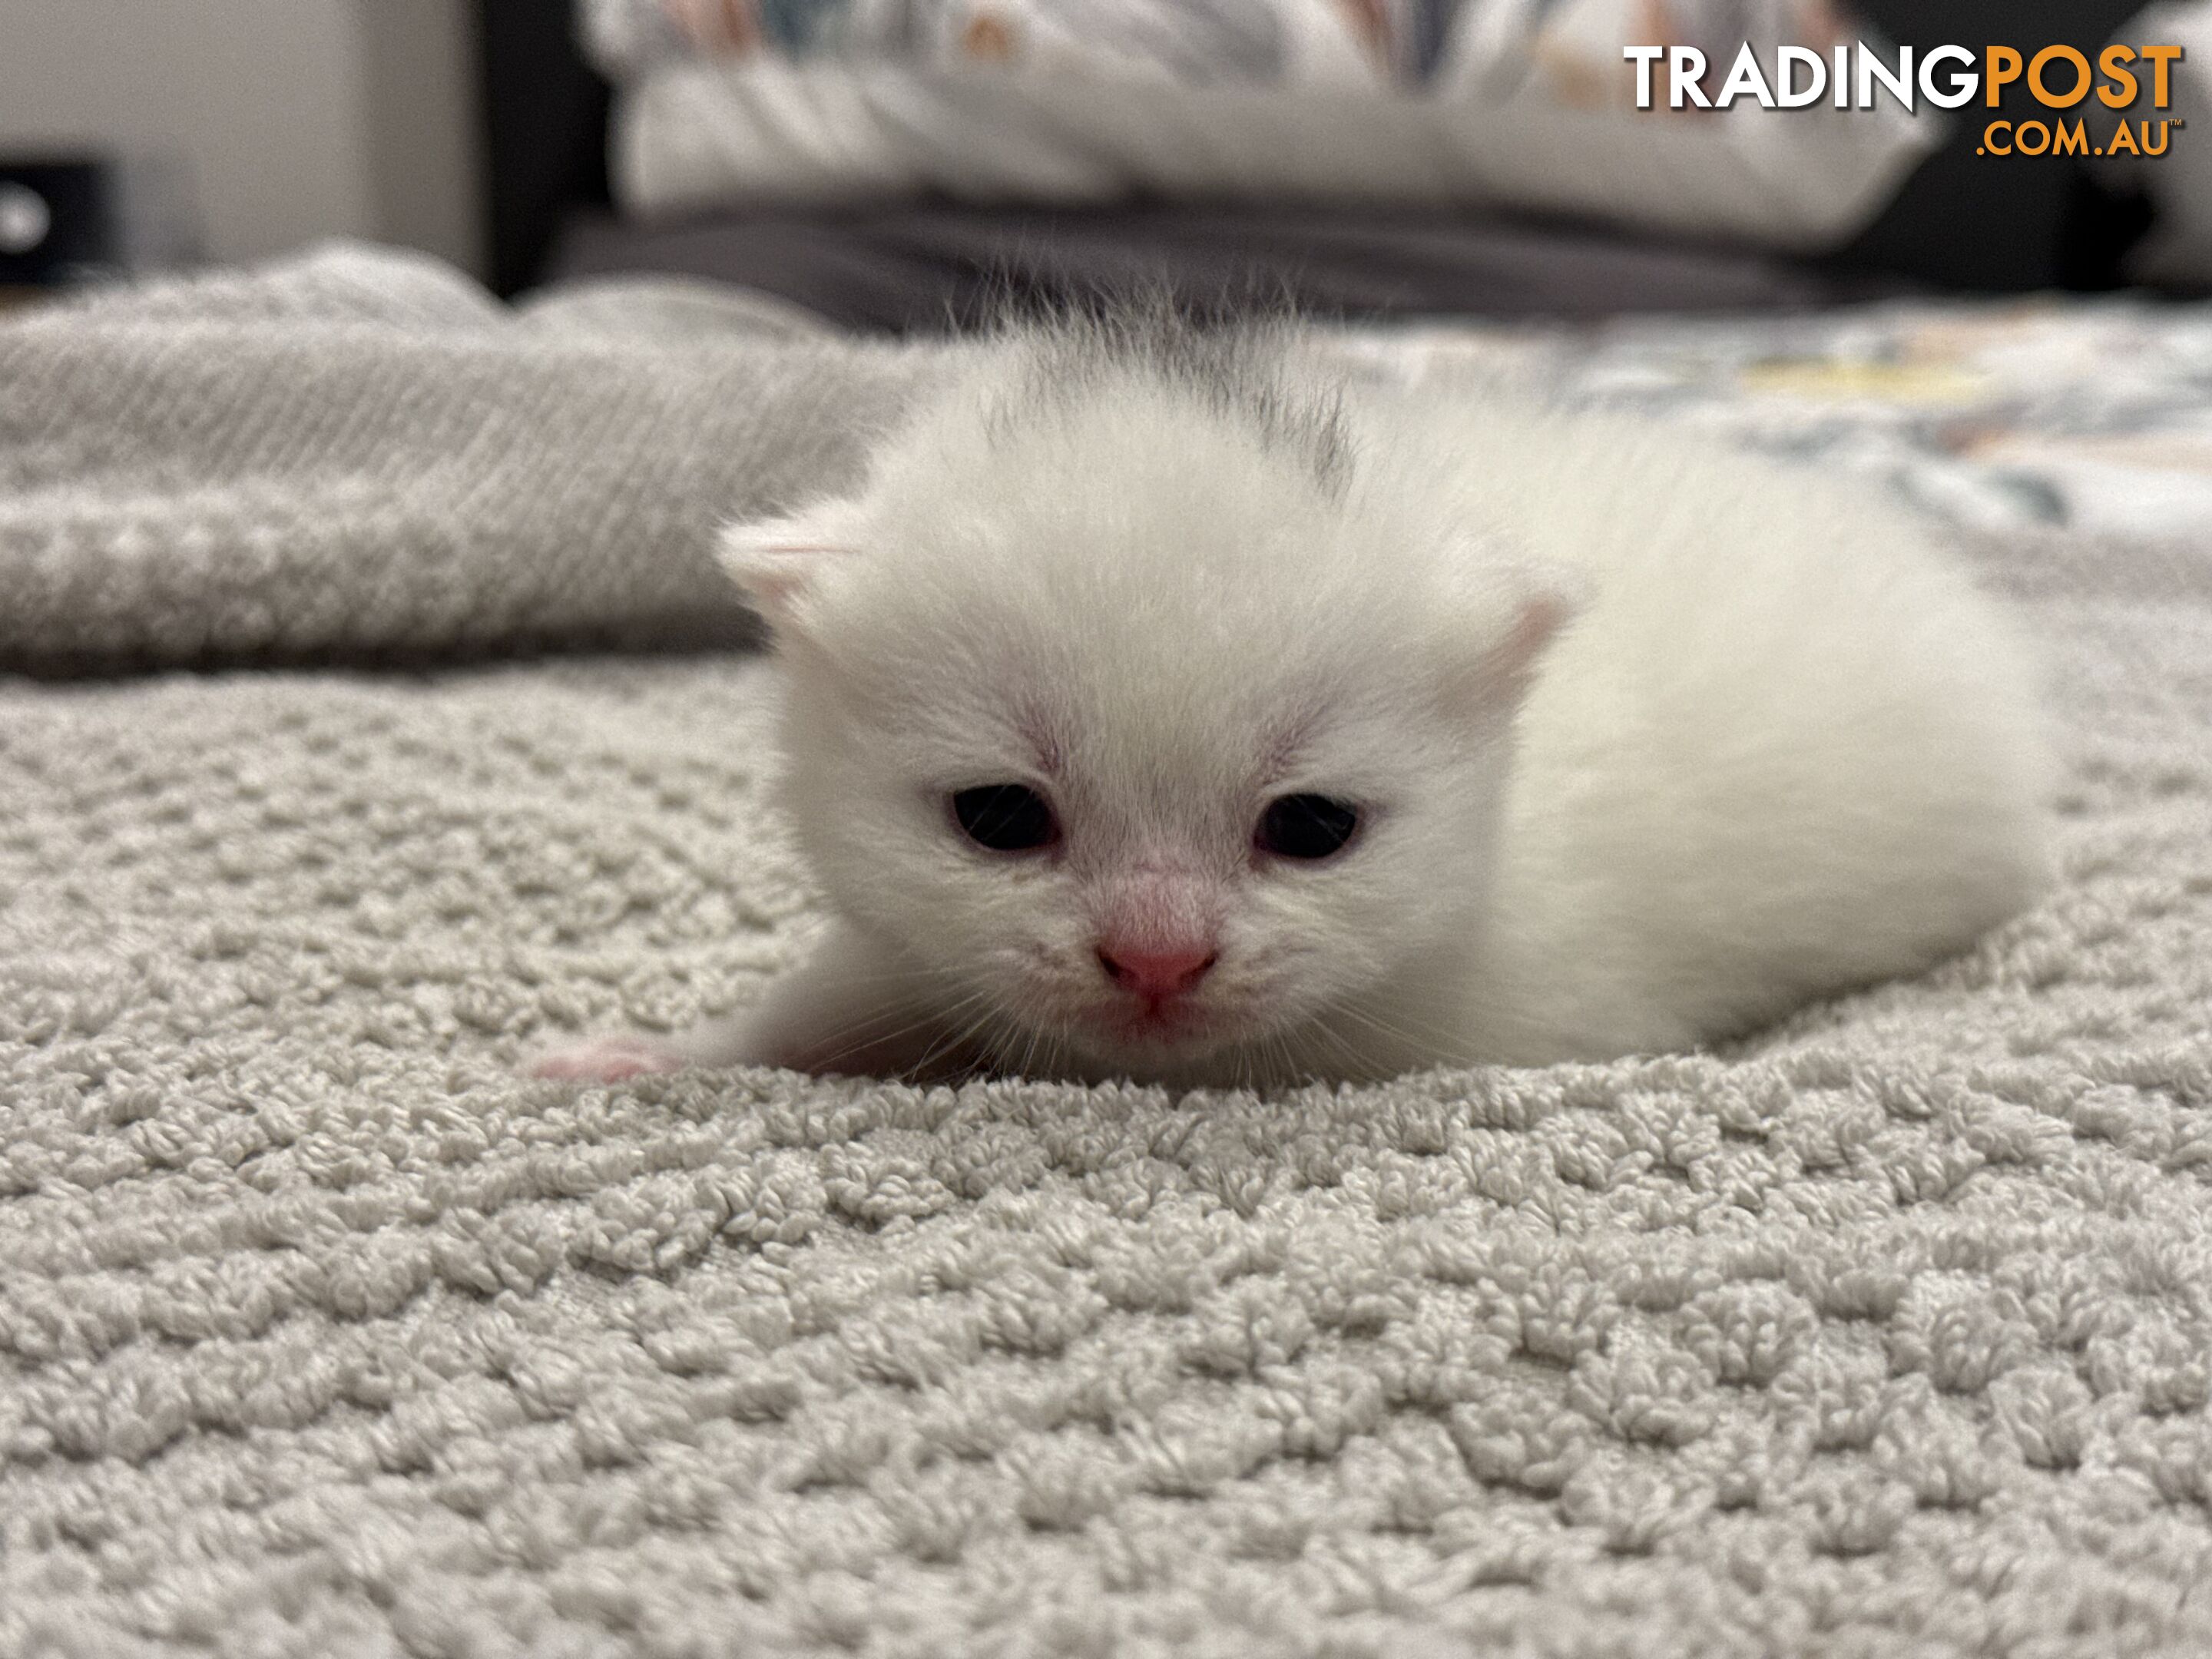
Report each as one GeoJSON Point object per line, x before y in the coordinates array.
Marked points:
{"type": "Point", "coordinates": [1785, 749]}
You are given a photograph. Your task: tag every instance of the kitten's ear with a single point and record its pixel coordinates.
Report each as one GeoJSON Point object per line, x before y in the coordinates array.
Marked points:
{"type": "Point", "coordinates": [1523, 604]}
{"type": "Point", "coordinates": [779, 563]}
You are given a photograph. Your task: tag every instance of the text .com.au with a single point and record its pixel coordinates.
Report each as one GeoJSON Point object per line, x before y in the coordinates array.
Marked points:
{"type": "Point", "coordinates": [2057, 79]}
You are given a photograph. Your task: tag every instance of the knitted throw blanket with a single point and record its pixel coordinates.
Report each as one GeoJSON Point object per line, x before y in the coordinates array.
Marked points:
{"type": "Point", "coordinates": [322, 1333]}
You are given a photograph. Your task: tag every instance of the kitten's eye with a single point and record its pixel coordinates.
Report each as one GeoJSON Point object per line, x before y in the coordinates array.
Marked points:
{"type": "Point", "coordinates": [1005, 818]}
{"type": "Point", "coordinates": [1307, 827]}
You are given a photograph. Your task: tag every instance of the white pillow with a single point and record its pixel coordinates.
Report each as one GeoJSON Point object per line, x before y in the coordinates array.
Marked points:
{"type": "Point", "coordinates": [1517, 105]}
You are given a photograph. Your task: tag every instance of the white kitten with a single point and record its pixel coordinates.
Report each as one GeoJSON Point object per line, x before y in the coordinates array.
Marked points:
{"type": "Point", "coordinates": [1162, 709]}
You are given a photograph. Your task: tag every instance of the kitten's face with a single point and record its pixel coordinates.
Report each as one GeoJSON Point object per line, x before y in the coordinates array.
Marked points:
{"type": "Point", "coordinates": [1132, 885]}
{"type": "Point", "coordinates": [1151, 755]}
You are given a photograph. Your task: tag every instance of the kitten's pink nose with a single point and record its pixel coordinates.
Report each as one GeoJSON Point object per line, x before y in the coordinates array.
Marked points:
{"type": "Point", "coordinates": [1156, 974]}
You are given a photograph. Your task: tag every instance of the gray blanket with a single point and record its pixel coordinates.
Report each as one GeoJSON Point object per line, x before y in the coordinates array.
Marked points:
{"type": "Point", "coordinates": [361, 453]}
{"type": "Point", "coordinates": [322, 1333]}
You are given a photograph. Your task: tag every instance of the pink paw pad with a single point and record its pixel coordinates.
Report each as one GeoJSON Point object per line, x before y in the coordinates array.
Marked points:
{"type": "Point", "coordinates": [605, 1059]}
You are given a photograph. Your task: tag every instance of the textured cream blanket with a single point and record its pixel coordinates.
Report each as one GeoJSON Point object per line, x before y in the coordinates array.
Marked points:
{"type": "Point", "coordinates": [321, 1332]}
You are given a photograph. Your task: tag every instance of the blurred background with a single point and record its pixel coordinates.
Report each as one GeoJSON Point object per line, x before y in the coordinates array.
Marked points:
{"type": "Point", "coordinates": [242, 128]}
{"type": "Point", "coordinates": [894, 164]}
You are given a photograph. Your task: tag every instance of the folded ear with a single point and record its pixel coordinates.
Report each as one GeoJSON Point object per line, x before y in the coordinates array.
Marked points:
{"type": "Point", "coordinates": [1519, 607]}
{"type": "Point", "coordinates": [779, 563]}
{"type": "Point", "coordinates": [1545, 599]}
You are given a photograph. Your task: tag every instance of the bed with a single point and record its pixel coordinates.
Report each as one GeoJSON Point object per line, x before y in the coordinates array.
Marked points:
{"type": "Point", "coordinates": [1955, 224]}
{"type": "Point", "coordinates": [370, 712]}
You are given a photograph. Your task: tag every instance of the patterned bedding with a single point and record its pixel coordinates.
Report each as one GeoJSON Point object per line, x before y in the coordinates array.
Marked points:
{"type": "Point", "coordinates": [1485, 47]}
{"type": "Point", "coordinates": [2091, 415]}
{"type": "Point", "coordinates": [1204, 42]}
{"type": "Point", "coordinates": [1520, 103]}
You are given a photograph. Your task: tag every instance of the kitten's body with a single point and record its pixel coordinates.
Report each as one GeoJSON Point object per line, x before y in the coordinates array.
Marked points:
{"type": "Point", "coordinates": [1778, 748]}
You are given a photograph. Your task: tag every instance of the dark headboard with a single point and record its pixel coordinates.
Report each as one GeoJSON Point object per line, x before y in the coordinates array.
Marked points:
{"type": "Point", "coordinates": [1976, 222]}
{"type": "Point", "coordinates": [1962, 220]}
{"type": "Point", "coordinates": [546, 118]}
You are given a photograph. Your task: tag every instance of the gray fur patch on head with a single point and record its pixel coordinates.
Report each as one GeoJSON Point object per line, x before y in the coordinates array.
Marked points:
{"type": "Point", "coordinates": [1236, 372]}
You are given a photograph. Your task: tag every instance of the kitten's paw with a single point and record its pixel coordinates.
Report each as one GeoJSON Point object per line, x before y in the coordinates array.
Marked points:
{"type": "Point", "coordinates": [606, 1060]}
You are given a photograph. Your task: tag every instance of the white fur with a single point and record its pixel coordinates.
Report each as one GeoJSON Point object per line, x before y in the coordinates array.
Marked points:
{"type": "Point", "coordinates": [1779, 748]}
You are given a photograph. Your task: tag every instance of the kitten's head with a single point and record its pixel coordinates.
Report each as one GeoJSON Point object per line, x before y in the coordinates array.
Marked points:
{"type": "Point", "coordinates": [1148, 716]}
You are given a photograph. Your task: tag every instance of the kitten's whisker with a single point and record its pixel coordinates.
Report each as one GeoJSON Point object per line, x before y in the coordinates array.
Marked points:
{"type": "Point", "coordinates": [1432, 1046]}
{"type": "Point", "coordinates": [876, 1029]}
{"type": "Point", "coordinates": [1271, 1045]}
{"type": "Point", "coordinates": [865, 1033]}
{"type": "Point", "coordinates": [1358, 1060]}
{"type": "Point", "coordinates": [955, 1039]}
{"type": "Point", "coordinates": [1030, 1051]}
{"type": "Point", "coordinates": [1296, 1070]}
